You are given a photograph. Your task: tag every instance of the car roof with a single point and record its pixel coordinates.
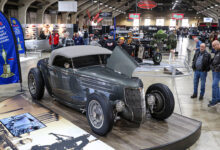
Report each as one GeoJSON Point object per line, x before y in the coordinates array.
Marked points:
{"type": "Point", "coordinates": [78, 51]}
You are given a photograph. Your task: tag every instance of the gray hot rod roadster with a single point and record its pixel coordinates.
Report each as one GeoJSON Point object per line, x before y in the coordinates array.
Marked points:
{"type": "Point", "coordinates": [99, 82]}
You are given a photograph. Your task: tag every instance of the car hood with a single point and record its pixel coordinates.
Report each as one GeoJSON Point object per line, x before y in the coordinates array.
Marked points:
{"type": "Point", "coordinates": [105, 74]}
{"type": "Point", "coordinates": [120, 61]}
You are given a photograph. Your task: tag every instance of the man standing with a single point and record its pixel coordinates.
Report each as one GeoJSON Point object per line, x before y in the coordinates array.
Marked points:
{"type": "Point", "coordinates": [123, 45]}
{"type": "Point", "coordinates": [198, 43]}
{"type": "Point", "coordinates": [78, 40]}
{"type": "Point", "coordinates": [200, 65]}
{"type": "Point", "coordinates": [54, 40]}
{"type": "Point", "coordinates": [110, 43]}
{"type": "Point", "coordinates": [86, 37]}
{"type": "Point", "coordinates": [215, 66]}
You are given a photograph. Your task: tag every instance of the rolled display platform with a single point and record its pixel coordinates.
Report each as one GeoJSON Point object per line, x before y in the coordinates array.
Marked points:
{"type": "Point", "coordinates": [175, 133]}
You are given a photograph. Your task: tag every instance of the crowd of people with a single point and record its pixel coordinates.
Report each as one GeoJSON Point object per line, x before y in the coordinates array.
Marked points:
{"type": "Point", "coordinates": [202, 64]}
{"type": "Point", "coordinates": [202, 61]}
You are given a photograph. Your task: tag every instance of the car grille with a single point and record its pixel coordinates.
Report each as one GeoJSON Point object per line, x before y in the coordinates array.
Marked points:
{"type": "Point", "coordinates": [136, 103]}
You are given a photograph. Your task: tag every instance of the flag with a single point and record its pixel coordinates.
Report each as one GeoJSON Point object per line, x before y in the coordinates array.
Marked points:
{"type": "Point", "coordinates": [16, 26]}
{"type": "Point", "coordinates": [9, 57]}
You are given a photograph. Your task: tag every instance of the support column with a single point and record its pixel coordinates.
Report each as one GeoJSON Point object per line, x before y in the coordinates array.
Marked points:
{"type": "Point", "coordinates": [2, 4]}
{"type": "Point", "coordinates": [22, 10]}
{"type": "Point", "coordinates": [81, 20]}
{"type": "Point", "coordinates": [40, 12]}
{"type": "Point", "coordinates": [64, 18]}
{"type": "Point", "coordinates": [53, 18]}
{"type": "Point", "coordinates": [73, 18]}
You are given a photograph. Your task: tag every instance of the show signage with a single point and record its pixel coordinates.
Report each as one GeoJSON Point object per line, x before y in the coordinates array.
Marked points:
{"type": "Point", "coordinates": [207, 20]}
{"type": "Point", "coordinates": [134, 16]}
{"type": "Point", "coordinates": [146, 4]}
{"type": "Point", "coordinates": [105, 15]}
{"type": "Point", "coordinates": [9, 59]}
{"type": "Point", "coordinates": [16, 26]}
{"type": "Point", "coordinates": [177, 16]}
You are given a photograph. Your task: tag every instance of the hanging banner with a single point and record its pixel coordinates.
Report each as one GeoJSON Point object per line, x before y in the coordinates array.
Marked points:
{"type": "Point", "coordinates": [177, 16]}
{"type": "Point", "coordinates": [16, 26]}
{"type": "Point", "coordinates": [9, 57]}
{"type": "Point", "coordinates": [96, 16]}
{"type": "Point", "coordinates": [99, 20]}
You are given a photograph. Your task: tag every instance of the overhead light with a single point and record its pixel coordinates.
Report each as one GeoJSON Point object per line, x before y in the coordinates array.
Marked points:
{"type": "Point", "coordinates": [95, 1]}
{"type": "Point", "coordinates": [216, 5]}
{"type": "Point", "coordinates": [208, 8]}
{"type": "Point", "coordinates": [110, 7]}
{"type": "Point", "coordinates": [106, 5]}
{"type": "Point", "coordinates": [212, 7]}
{"type": "Point", "coordinates": [101, 3]}
{"type": "Point", "coordinates": [113, 8]}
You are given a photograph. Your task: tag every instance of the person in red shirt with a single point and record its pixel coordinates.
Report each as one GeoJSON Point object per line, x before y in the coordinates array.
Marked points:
{"type": "Point", "coordinates": [54, 40]}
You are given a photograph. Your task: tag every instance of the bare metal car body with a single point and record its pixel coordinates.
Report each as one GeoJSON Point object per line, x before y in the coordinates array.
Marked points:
{"type": "Point", "coordinates": [95, 70]}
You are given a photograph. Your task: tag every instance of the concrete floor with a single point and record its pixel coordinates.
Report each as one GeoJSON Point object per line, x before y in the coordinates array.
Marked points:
{"type": "Point", "coordinates": [182, 88]}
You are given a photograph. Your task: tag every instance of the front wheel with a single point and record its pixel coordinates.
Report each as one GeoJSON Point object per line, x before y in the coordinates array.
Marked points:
{"type": "Point", "coordinates": [157, 58]}
{"type": "Point", "coordinates": [36, 84]}
{"type": "Point", "coordinates": [160, 101]}
{"type": "Point", "coordinates": [99, 114]}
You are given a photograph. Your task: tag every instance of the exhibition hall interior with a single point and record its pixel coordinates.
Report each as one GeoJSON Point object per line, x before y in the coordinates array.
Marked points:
{"type": "Point", "coordinates": [109, 75]}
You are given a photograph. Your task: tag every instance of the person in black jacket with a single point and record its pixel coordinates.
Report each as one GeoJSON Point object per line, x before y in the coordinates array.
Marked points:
{"type": "Point", "coordinates": [215, 66]}
{"type": "Point", "coordinates": [200, 65]}
{"type": "Point", "coordinates": [110, 43]}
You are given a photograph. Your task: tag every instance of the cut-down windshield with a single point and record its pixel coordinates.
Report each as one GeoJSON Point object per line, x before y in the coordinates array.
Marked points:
{"type": "Point", "coordinates": [91, 60]}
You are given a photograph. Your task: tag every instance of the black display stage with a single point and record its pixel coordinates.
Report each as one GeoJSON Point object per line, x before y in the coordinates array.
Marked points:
{"type": "Point", "coordinates": [176, 133]}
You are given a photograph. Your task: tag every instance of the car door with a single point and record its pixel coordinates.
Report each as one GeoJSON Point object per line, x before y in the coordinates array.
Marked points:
{"type": "Point", "coordinates": [65, 84]}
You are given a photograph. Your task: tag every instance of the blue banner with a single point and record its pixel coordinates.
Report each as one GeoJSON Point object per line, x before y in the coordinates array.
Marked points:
{"type": "Point", "coordinates": [16, 26]}
{"type": "Point", "coordinates": [9, 57]}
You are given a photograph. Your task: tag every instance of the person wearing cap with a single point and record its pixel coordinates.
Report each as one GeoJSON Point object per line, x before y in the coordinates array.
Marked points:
{"type": "Point", "coordinates": [110, 43]}
{"type": "Point", "coordinates": [103, 40]}
{"type": "Point", "coordinates": [95, 42]}
{"type": "Point", "coordinates": [54, 40]}
{"type": "Point", "coordinates": [123, 45]}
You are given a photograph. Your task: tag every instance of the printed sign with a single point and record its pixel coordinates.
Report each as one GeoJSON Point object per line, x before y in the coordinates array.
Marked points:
{"type": "Point", "coordinates": [207, 20]}
{"type": "Point", "coordinates": [105, 15]}
{"type": "Point", "coordinates": [16, 26]}
{"type": "Point", "coordinates": [9, 60]}
{"type": "Point", "coordinates": [146, 4]}
{"type": "Point", "coordinates": [134, 16]}
{"type": "Point", "coordinates": [177, 16]}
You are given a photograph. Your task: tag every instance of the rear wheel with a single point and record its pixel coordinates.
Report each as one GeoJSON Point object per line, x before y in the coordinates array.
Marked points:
{"type": "Point", "coordinates": [99, 114]}
{"type": "Point", "coordinates": [157, 58]}
{"type": "Point", "coordinates": [160, 101]}
{"type": "Point", "coordinates": [36, 84]}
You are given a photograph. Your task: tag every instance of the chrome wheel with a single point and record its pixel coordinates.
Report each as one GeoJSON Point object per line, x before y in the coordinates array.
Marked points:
{"type": "Point", "coordinates": [32, 84]}
{"type": "Point", "coordinates": [95, 114]}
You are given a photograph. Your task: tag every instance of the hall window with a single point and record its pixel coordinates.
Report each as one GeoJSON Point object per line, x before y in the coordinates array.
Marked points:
{"type": "Point", "coordinates": [147, 22]}
{"type": "Point", "coordinates": [185, 23]}
{"type": "Point", "coordinates": [136, 22]}
{"type": "Point", "coordinates": [172, 22]}
{"type": "Point", "coordinates": [160, 22]}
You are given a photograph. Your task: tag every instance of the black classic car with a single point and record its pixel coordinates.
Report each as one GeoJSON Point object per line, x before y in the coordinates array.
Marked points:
{"type": "Point", "coordinates": [99, 82]}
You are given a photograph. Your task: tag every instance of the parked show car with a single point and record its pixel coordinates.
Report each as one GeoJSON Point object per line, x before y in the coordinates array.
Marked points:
{"type": "Point", "coordinates": [99, 82]}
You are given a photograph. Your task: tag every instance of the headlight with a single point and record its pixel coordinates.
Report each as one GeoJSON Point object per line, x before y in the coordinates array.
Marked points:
{"type": "Point", "coordinates": [120, 105]}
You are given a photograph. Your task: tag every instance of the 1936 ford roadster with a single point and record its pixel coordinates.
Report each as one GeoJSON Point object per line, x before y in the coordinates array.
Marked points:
{"type": "Point", "coordinates": [99, 82]}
